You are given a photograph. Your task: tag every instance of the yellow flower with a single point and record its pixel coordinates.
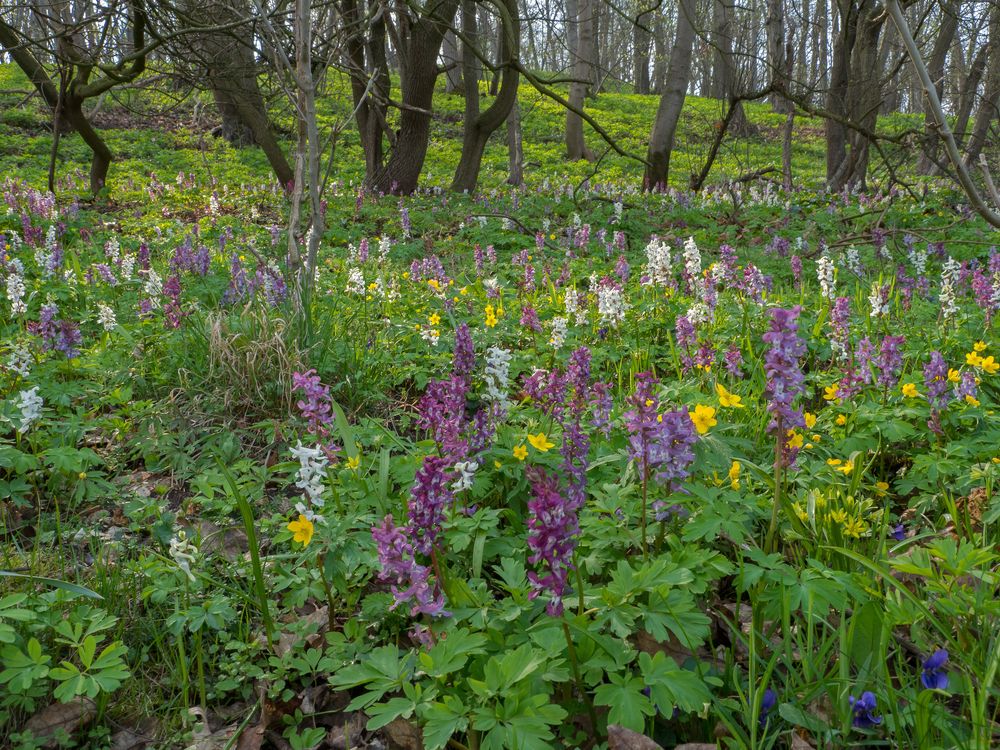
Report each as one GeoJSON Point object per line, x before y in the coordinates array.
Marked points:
{"type": "Point", "coordinates": [703, 418]}
{"type": "Point", "coordinates": [540, 442]}
{"type": "Point", "coordinates": [463, 291]}
{"type": "Point", "coordinates": [497, 464]}
{"type": "Point", "coordinates": [810, 419]}
{"type": "Point", "coordinates": [841, 419]}
{"type": "Point", "coordinates": [833, 462]}
{"type": "Point", "coordinates": [728, 399]}
{"type": "Point", "coordinates": [491, 318]}
{"type": "Point", "coordinates": [881, 488]}
{"type": "Point", "coordinates": [838, 516]}
{"type": "Point", "coordinates": [520, 452]}
{"type": "Point", "coordinates": [433, 284]}
{"type": "Point", "coordinates": [406, 274]}
{"type": "Point", "coordinates": [734, 474]}
{"type": "Point", "coordinates": [434, 319]}
{"type": "Point", "coordinates": [649, 402]}
{"type": "Point", "coordinates": [970, 399]}
{"type": "Point", "coordinates": [979, 346]}
{"type": "Point", "coordinates": [830, 392]}
{"type": "Point", "coordinates": [855, 528]}
{"type": "Point", "coordinates": [989, 365]}
{"type": "Point", "coordinates": [354, 463]}
{"type": "Point", "coordinates": [953, 375]}
{"type": "Point", "coordinates": [302, 529]}
{"type": "Point", "coordinates": [972, 358]}
{"type": "Point", "coordinates": [795, 439]}
{"type": "Point", "coordinates": [847, 468]}
{"type": "Point", "coordinates": [910, 390]}
{"type": "Point", "coordinates": [800, 512]}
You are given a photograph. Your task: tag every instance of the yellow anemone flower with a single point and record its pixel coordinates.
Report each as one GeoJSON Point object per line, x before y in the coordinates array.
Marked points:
{"type": "Point", "coordinates": [703, 418]}
{"type": "Point", "coordinates": [540, 442]}
{"type": "Point", "coordinates": [520, 452]}
{"type": "Point", "coordinates": [910, 390]}
{"type": "Point", "coordinates": [728, 399]}
{"type": "Point", "coordinates": [302, 530]}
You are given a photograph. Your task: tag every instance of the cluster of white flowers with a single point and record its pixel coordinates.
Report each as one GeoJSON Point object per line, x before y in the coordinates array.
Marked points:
{"type": "Point", "coordinates": [384, 246]}
{"type": "Point", "coordinates": [825, 274]}
{"type": "Point", "coordinates": [15, 287]}
{"type": "Point", "coordinates": [20, 360]}
{"type": "Point", "coordinates": [430, 335]}
{"type": "Point", "coordinates": [619, 210]}
{"type": "Point", "coordinates": [213, 204]}
{"type": "Point", "coordinates": [698, 313]}
{"type": "Point", "coordinates": [692, 263]}
{"type": "Point", "coordinates": [383, 290]}
{"type": "Point", "coordinates": [611, 305]}
{"type": "Point", "coordinates": [659, 262]}
{"type": "Point", "coordinates": [106, 317]}
{"type": "Point", "coordinates": [995, 297]}
{"type": "Point", "coordinates": [355, 281]}
{"type": "Point", "coordinates": [112, 249]}
{"type": "Point", "coordinates": [918, 257]}
{"type": "Point", "coordinates": [852, 261]}
{"type": "Point", "coordinates": [30, 405]}
{"type": "Point", "coordinates": [43, 256]}
{"type": "Point", "coordinates": [558, 337]}
{"type": "Point", "coordinates": [128, 266]}
{"type": "Point", "coordinates": [466, 473]}
{"type": "Point", "coordinates": [312, 472]}
{"type": "Point", "coordinates": [573, 307]}
{"type": "Point", "coordinates": [949, 276]}
{"type": "Point", "coordinates": [183, 553]}
{"type": "Point", "coordinates": [153, 288]}
{"type": "Point", "coordinates": [497, 376]}
{"type": "Point", "coordinates": [878, 298]}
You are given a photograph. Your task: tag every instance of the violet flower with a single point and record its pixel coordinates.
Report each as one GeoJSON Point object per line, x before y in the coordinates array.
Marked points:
{"type": "Point", "coordinates": [785, 380]}
{"type": "Point", "coordinates": [934, 675]}
{"type": "Point", "coordinates": [410, 579]}
{"type": "Point", "coordinates": [864, 709]}
{"type": "Point", "coordinates": [430, 496]}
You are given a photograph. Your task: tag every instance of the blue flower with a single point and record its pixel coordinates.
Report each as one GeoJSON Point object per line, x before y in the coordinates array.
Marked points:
{"type": "Point", "coordinates": [768, 702]}
{"type": "Point", "coordinates": [899, 533]}
{"type": "Point", "coordinates": [935, 676]}
{"type": "Point", "coordinates": [864, 708]}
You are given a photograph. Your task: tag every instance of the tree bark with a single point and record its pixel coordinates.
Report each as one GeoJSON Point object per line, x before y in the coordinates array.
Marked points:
{"type": "Point", "coordinates": [989, 105]}
{"type": "Point", "coordinates": [453, 62]}
{"type": "Point", "coordinates": [418, 73]}
{"type": "Point", "coordinates": [967, 93]}
{"type": "Point", "coordinates": [479, 127]}
{"type": "Point", "coordinates": [935, 67]}
{"type": "Point", "coordinates": [776, 54]}
{"type": "Point", "coordinates": [583, 75]}
{"type": "Point", "coordinates": [725, 74]}
{"type": "Point", "coordinates": [515, 147]}
{"type": "Point", "coordinates": [641, 38]}
{"type": "Point", "coordinates": [661, 140]}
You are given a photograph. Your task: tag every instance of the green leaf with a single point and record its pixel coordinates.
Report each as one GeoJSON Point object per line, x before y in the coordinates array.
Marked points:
{"type": "Point", "coordinates": [626, 701]}
{"type": "Point", "coordinates": [72, 588]}
{"type": "Point", "coordinates": [442, 720]}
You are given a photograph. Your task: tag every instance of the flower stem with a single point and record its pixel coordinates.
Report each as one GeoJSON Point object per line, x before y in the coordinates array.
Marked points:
{"type": "Point", "coordinates": [571, 650]}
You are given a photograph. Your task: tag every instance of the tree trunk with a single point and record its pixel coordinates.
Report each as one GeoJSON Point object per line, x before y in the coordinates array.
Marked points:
{"type": "Point", "coordinates": [659, 53]}
{"type": "Point", "coordinates": [576, 147]}
{"type": "Point", "coordinates": [401, 172]}
{"type": "Point", "coordinates": [640, 52]}
{"type": "Point", "coordinates": [935, 66]}
{"type": "Point", "coordinates": [479, 127]}
{"type": "Point", "coordinates": [661, 140]}
{"type": "Point", "coordinates": [967, 93]}
{"type": "Point", "coordinates": [101, 161]}
{"type": "Point", "coordinates": [453, 62]}
{"type": "Point", "coordinates": [776, 53]}
{"type": "Point", "coordinates": [989, 104]}
{"type": "Point", "coordinates": [725, 76]}
{"type": "Point", "coordinates": [515, 147]}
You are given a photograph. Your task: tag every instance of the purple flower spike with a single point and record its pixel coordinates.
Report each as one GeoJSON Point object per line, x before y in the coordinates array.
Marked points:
{"type": "Point", "coordinates": [552, 530]}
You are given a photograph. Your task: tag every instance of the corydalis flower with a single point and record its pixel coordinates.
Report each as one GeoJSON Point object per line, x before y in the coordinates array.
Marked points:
{"type": "Point", "coordinates": [936, 381]}
{"type": "Point", "coordinates": [864, 709]}
{"type": "Point", "coordinates": [410, 580]}
{"type": "Point", "coordinates": [784, 375]}
{"type": "Point", "coordinates": [934, 675]}
{"type": "Point", "coordinates": [552, 530]}
{"type": "Point", "coordinates": [660, 443]}
{"type": "Point", "coordinates": [316, 405]}
{"type": "Point", "coordinates": [429, 498]}
{"type": "Point", "coordinates": [29, 403]}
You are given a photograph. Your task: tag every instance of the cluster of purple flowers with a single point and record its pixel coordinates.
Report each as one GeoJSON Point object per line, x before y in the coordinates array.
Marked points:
{"type": "Point", "coordinates": [659, 443]}
{"type": "Point", "coordinates": [552, 530]}
{"type": "Point", "coordinates": [429, 499]}
{"type": "Point", "coordinates": [890, 360]}
{"type": "Point", "coordinates": [59, 335]}
{"type": "Point", "coordinates": [410, 580]}
{"type": "Point", "coordinates": [784, 375]}
{"type": "Point", "coordinates": [315, 406]}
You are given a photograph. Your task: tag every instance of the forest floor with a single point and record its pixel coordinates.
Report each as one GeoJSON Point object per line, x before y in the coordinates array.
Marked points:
{"type": "Point", "coordinates": [556, 466]}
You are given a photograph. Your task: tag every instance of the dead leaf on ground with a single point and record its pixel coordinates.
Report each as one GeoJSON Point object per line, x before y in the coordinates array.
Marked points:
{"type": "Point", "coordinates": [66, 716]}
{"type": "Point", "coordinates": [697, 746]}
{"type": "Point", "coordinates": [403, 735]}
{"type": "Point", "coordinates": [131, 739]}
{"type": "Point", "coordinates": [800, 744]}
{"type": "Point", "coordinates": [347, 735]}
{"type": "Point", "coordinates": [621, 738]}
